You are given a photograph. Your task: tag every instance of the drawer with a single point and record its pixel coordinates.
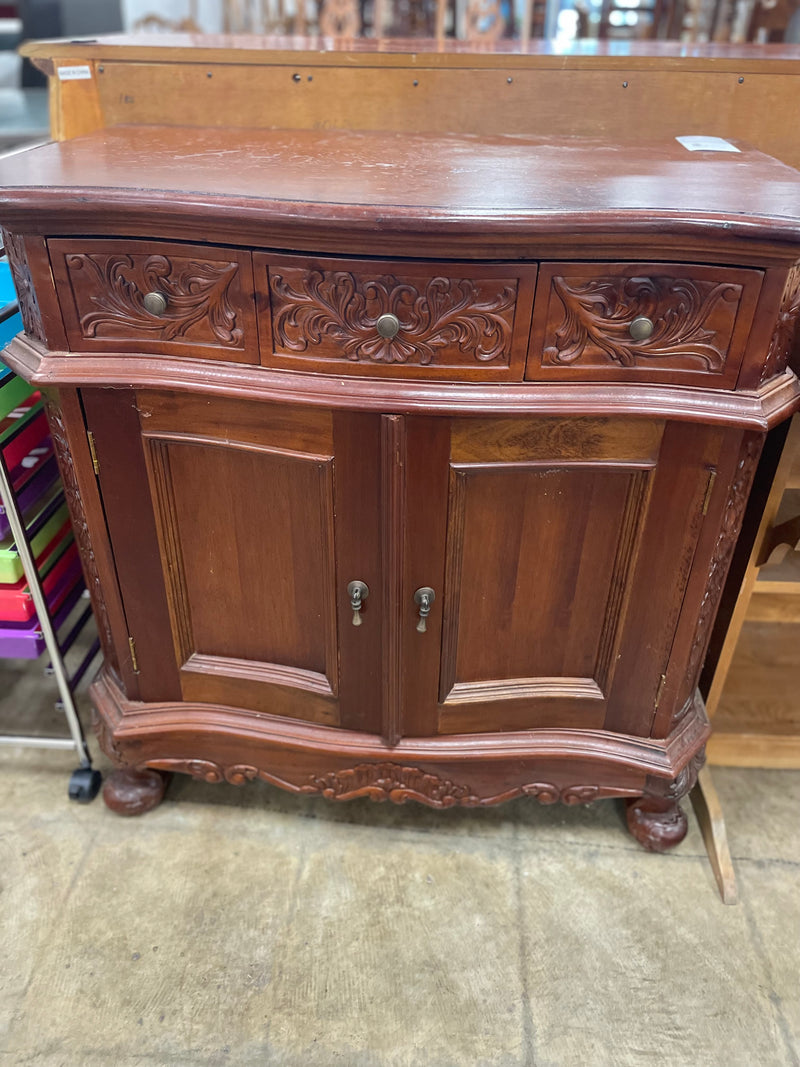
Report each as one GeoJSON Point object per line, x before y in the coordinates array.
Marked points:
{"type": "Point", "coordinates": [207, 307]}
{"type": "Point", "coordinates": [692, 328]}
{"type": "Point", "coordinates": [461, 321]}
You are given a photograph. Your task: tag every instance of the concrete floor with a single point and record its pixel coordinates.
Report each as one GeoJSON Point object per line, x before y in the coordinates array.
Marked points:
{"type": "Point", "coordinates": [249, 927]}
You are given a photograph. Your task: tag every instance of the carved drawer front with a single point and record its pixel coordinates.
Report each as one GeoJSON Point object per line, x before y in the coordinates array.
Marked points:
{"type": "Point", "coordinates": [463, 321]}
{"type": "Point", "coordinates": [145, 296]}
{"type": "Point", "coordinates": [642, 322]}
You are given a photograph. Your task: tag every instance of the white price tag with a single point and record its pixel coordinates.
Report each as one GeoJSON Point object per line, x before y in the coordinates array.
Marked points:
{"type": "Point", "coordinates": [697, 143]}
{"type": "Point", "coordinates": [73, 74]}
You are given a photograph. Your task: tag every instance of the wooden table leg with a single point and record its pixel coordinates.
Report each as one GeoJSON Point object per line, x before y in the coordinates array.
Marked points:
{"type": "Point", "coordinates": [708, 810]}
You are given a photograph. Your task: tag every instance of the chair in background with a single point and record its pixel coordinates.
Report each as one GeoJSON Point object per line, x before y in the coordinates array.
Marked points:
{"type": "Point", "coordinates": [482, 20]}
{"type": "Point", "coordinates": [642, 19]}
{"type": "Point", "coordinates": [770, 21]}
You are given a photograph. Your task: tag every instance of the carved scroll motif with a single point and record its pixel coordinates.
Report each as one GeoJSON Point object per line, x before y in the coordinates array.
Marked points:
{"type": "Point", "coordinates": [309, 306]}
{"type": "Point", "coordinates": [23, 283]}
{"type": "Point", "coordinates": [598, 314]}
{"type": "Point", "coordinates": [106, 739]}
{"type": "Point", "coordinates": [391, 781]}
{"type": "Point", "coordinates": [72, 494]}
{"type": "Point", "coordinates": [723, 552]}
{"type": "Point", "coordinates": [197, 297]}
{"type": "Point", "coordinates": [786, 338]}
{"type": "Point", "coordinates": [382, 781]}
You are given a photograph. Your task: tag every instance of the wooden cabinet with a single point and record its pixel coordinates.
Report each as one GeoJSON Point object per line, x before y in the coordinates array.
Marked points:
{"type": "Point", "coordinates": [529, 447]}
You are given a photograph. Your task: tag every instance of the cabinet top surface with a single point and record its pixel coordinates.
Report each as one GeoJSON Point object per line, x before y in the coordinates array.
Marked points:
{"type": "Point", "coordinates": [323, 51]}
{"type": "Point", "coordinates": [376, 181]}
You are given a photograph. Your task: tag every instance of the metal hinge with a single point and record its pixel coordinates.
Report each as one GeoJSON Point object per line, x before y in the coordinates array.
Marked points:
{"type": "Point", "coordinates": [660, 690]}
{"type": "Point", "coordinates": [712, 477]}
{"type": "Point", "coordinates": [134, 660]}
{"type": "Point", "coordinates": [93, 451]}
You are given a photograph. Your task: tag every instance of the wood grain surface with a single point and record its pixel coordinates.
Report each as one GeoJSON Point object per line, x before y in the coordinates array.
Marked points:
{"type": "Point", "coordinates": [372, 191]}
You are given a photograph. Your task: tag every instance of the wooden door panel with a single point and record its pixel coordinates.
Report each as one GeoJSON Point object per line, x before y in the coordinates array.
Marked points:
{"type": "Point", "coordinates": [538, 561]}
{"type": "Point", "coordinates": [247, 535]}
{"type": "Point", "coordinates": [568, 547]}
{"type": "Point", "coordinates": [249, 505]}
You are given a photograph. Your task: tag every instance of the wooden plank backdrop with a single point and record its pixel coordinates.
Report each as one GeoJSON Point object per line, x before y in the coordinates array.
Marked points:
{"type": "Point", "coordinates": [633, 91]}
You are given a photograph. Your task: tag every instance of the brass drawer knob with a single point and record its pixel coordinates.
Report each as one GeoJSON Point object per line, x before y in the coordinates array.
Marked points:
{"type": "Point", "coordinates": [642, 328]}
{"type": "Point", "coordinates": [155, 303]}
{"type": "Point", "coordinates": [388, 326]}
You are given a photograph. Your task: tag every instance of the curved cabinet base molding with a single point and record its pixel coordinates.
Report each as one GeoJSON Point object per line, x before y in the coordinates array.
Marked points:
{"type": "Point", "coordinates": [550, 766]}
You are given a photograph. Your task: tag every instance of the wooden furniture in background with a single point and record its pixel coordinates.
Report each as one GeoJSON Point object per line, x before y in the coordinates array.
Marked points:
{"type": "Point", "coordinates": [612, 89]}
{"type": "Point", "coordinates": [661, 19]}
{"type": "Point", "coordinates": [476, 20]}
{"type": "Point", "coordinates": [444, 519]}
{"type": "Point", "coordinates": [769, 20]}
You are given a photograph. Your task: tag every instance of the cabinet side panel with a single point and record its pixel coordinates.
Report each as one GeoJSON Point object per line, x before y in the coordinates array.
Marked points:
{"type": "Point", "coordinates": [687, 467]}
{"type": "Point", "coordinates": [68, 429]}
{"type": "Point", "coordinates": [113, 418]}
{"type": "Point", "coordinates": [726, 510]}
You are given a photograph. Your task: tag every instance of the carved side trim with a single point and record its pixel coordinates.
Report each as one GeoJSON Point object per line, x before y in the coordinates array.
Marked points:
{"type": "Point", "coordinates": [384, 781]}
{"type": "Point", "coordinates": [82, 536]}
{"type": "Point", "coordinates": [309, 306]}
{"type": "Point", "coordinates": [786, 338]}
{"type": "Point", "coordinates": [598, 314]}
{"type": "Point", "coordinates": [23, 283]}
{"type": "Point", "coordinates": [723, 552]}
{"type": "Point", "coordinates": [105, 738]}
{"type": "Point", "coordinates": [196, 292]}
{"type": "Point", "coordinates": [680, 785]}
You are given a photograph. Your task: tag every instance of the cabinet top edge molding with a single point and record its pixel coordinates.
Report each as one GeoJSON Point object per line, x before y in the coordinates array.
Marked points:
{"type": "Point", "coordinates": [394, 186]}
{"type": "Point", "coordinates": [758, 410]}
{"type": "Point", "coordinates": [321, 51]}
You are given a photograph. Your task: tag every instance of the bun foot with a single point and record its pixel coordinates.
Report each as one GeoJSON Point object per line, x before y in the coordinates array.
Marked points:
{"type": "Point", "coordinates": [130, 792]}
{"type": "Point", "coordinates": [657, 823]}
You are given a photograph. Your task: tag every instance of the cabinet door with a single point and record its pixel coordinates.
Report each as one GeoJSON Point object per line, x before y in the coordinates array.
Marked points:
{"type": "Point", "coordinates": [237, 531]}
{"type": "Point", "coordinates": [559, 550]}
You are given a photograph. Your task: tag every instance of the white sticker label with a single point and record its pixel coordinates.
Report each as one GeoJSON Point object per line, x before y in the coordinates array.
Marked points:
{"type": "Point", "coordinates": [73, 74]}
{"type": "Point", "coordinates": [707, 144]}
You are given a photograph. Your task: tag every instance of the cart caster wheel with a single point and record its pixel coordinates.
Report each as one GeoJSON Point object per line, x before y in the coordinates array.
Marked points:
{"type": "Point", "coordinates": [84, 784]}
